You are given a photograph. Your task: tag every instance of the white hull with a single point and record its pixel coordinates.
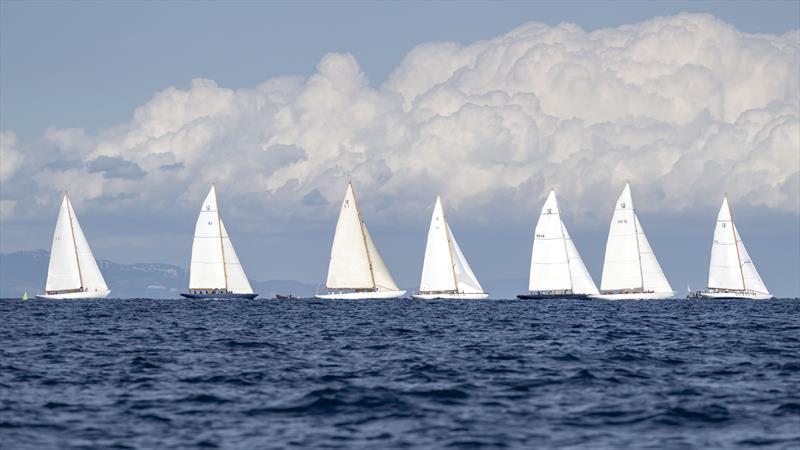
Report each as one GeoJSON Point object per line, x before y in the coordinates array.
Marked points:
{"type": "Point", "coordinates": [634, 296]}
{"type": "Point", "coordinates": [376, 295]}
{"type": "Point", "coordinates": [75, 295]}
{"type": "Point", "coordinates": [456, 296]}
{"type": "Point", "coordinates": [734, 295]}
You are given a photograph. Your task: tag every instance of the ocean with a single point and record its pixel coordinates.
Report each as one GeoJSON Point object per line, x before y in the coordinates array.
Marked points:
{"type": "Point", "coordinates": [143, 373]}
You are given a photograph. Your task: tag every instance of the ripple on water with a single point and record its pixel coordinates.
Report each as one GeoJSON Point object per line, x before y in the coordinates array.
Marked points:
{"type": "Point", "coordinates": [392, 374]}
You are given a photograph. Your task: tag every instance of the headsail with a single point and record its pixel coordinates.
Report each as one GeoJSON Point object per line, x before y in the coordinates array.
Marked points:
{"type": "Point", "coordinates": [465, 278]}
{"type": "Point", "coordinates": [582, 282]}
{"type": "Point", "coordinates": [381, 275]}
{"type": "Point", "coordinates": [90, 272]}
{"type": "Point", "coordinates": [653, 278]}
{"type": "Point", "coordinates": [237, 280]}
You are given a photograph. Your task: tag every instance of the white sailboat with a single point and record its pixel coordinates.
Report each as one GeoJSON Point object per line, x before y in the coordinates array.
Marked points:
{"type": "Point", "coordinates": [557, 270]}
{"type": "Point", "coordinates": [215, 270]}
{"type": "Point", "coordinates": [630, 270]}
{"type": "Point", "coordinates": [73, 271]}
{"type": "Point", "coordinates": [356, 269]}
{"type": "Point", "coordinates": [446, 274]}
{"type": "Point", "coordinates": [731, 272]}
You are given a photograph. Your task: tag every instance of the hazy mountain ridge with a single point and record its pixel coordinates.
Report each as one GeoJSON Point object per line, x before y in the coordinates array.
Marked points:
{"type": "Point", "coordinates": [26, 271]}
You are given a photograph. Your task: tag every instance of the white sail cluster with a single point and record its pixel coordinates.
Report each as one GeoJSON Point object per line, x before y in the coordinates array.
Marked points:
{"type": "Point", "coordinates": [357, 271]}
{"type": "Point", "coordinates": [73, 272]}
{"type": "Point", "coordinates": [445, 271]}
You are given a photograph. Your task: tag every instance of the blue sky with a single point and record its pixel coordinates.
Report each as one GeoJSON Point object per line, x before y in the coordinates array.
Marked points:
{"type": "Point", "coordinates": [81, 83]}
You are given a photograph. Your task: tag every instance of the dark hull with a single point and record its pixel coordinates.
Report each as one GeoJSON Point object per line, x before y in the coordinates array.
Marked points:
{"type": "Point", "coordinates": [220, 296]}
{"type": "Point", "coordinates": [552, 296]}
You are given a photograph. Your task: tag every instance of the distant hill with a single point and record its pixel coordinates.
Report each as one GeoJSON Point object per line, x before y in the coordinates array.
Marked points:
{"type": "Point", "coordinates": [27, 271]}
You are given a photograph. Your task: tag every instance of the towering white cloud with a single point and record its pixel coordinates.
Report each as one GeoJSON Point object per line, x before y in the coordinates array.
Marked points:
{"type": "Point", "coordinates": [685, 107]}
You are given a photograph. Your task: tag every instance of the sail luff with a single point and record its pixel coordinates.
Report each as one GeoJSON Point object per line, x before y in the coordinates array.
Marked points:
{"type": "Point", "coordinates": [446, 228]}
{"type": "Point", "coordinates": [363, 236]}
{"type": "Point", "coordinates": [221, 243]}
{"type": "Point", "coordinates": [72, 232]}
{"type": "Point", "coordinates": [736, 241]}
{"type": "Point", "coordinates": [638, 247]}
{"type": "Point", "coordinates": [566, 250]}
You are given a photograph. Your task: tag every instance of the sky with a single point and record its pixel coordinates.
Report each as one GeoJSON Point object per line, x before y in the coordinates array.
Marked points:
{"type": "Point", "coordinates": [136, 108]}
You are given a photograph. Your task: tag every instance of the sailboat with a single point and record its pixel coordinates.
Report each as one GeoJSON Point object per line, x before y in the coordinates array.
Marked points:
{"type": "Point", "coordinates": [356, 269]}
{"type": "Point", "coordinates": [445, 271]}
{"type": "Point", "coordinates": [557, 270]}
{"type": "Point", "coordinates": [731, 272]}
{"type": "Point", "coordinates": [73, 271]}
{"type": "Point", "coordinates": [630, 270]}
{"type": "Point", "coordinates": [215, 270]}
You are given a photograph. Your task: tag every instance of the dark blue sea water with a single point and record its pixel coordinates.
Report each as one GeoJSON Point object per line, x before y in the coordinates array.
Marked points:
{"type": "Point", "coordinates": [388, 374]}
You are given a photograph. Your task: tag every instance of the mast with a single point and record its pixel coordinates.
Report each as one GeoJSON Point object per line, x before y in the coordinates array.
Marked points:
{"type": "Point", "coordinates": [564, 241]}
{"type": "Point", "coordinates": [638, 250]}
{"type": "Point", "coordinates": [566, 252]}
{"type": "Point", "coordinates": [449, 246]}
{"type": "Point", "coordinates": [736, 243]}
{"type": "Point", "coordinates": [72, 232]}
{"type": "Point", "coordinates": [363, 235]}
{"type": "Point", "coordinates": [221, 245]}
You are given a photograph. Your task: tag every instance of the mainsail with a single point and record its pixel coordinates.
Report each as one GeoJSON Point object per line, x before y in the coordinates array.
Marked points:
{"type": "Point", "coordinates": [215, 265]}
{"type": "Point", "coordinates": [731, 267]}
{"type": "Point", "coordinates": [630, 264]}
{"type": "Point", "coordinates": [72, 265]}
{"type": "Point", "coordinates": [355, 261]}
{"type": "Point", "coordinates": [555, 262]}
{"type": "Point", "coordinates": [445, 269]}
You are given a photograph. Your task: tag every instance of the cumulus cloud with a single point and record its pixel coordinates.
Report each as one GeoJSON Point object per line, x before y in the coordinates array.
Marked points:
{"type": "Point", "coordinates": [685, 107]}
{"type": "Point", "coordinates": [10, 158]}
